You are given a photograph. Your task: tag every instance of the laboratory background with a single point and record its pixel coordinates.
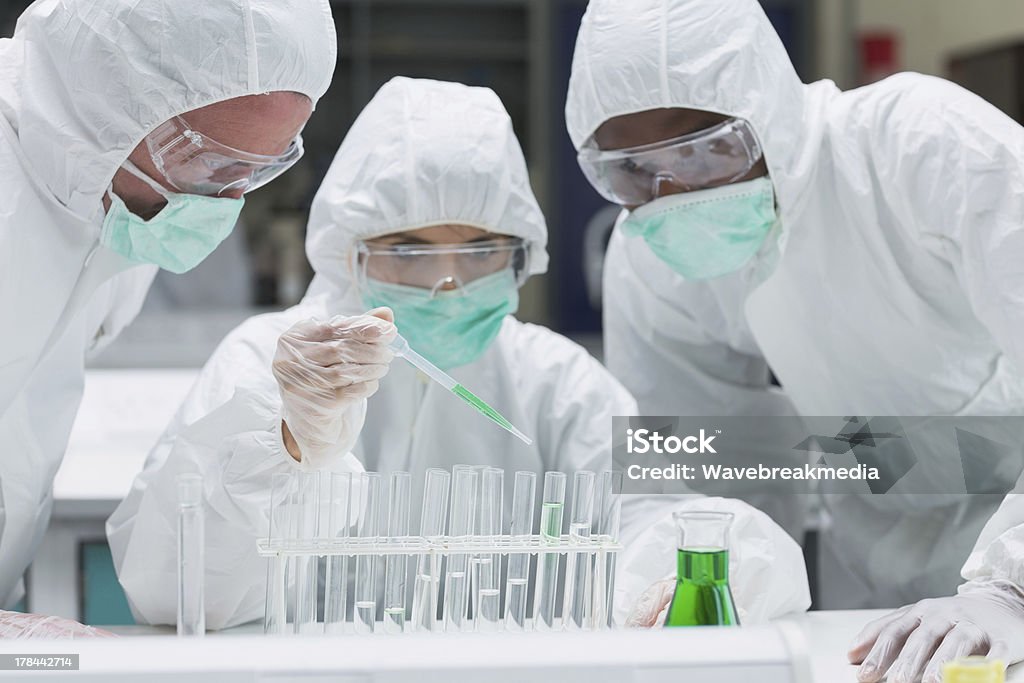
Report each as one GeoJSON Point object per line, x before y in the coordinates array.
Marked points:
{"type": "Point", "coordinates": [522, 49]}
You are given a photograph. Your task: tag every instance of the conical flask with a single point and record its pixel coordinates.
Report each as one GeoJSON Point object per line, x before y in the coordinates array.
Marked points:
{"type": "Point", "coordinates": [702, 596]}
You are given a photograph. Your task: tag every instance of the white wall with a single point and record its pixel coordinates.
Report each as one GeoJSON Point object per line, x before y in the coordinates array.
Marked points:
{"type": "Point", "coordinates": [932, 30]}
{"type": "Point", "coordinates": [834, 41]}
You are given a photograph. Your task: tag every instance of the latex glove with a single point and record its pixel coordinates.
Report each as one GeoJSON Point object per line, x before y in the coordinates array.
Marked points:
{"type": "Point", "coordinates": [912, 643]}
{"type": "Point", "coordinates": [651, 607]}
{"type": "Point", "coordinates": [20, 625]}
{"type": "Point", "coordinates": [325, 372]}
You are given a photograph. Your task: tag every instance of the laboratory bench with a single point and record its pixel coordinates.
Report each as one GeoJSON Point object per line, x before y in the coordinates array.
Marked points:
{"type": "Point", "coordinates": [122, 413]}
{"type": "Point", "coordinates": [804, 648]}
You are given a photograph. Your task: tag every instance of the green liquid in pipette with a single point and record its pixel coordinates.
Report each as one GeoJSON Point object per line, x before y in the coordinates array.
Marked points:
{"type": "Point", "coordinates": [702, 596]}
{"type": "Point", "coordinates": [473, 400]}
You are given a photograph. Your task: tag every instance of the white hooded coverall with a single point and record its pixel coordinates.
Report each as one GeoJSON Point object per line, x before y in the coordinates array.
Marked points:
{"type": "Point", "coordinates": [81, 84]}
{"type": "Point", "coordinates": [421, 153]}
{"type": "Point", "coordinates": [893, 284]}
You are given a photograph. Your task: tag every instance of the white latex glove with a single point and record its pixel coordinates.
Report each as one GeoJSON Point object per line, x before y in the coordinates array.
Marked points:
{"type": "Point", "coordinates": [912, 643]}
{"type": "Point", "coordinates": [326, 371]}
{"type": "Point", "coordinates": [19, 625]}
{"type": "Point", "coordinates": [651, 607]}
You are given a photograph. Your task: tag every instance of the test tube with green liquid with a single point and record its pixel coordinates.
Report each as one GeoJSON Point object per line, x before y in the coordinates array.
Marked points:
{"type": "Point", "coordinates": [547, 568]}
{"type": "Point", "coordinates": [401, 348]}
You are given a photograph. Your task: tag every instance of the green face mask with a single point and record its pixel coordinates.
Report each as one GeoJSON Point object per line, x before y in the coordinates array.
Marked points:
{"type": "Point", "coordinates": [450, 328]}
{"type": "Point", "coordinates": [178, 238]}
{"type": "Point", "coordinates": [707, 233]}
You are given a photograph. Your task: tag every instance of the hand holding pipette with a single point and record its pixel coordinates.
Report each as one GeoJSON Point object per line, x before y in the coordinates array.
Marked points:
{"type": "Point", "coordinates": [325, 370]}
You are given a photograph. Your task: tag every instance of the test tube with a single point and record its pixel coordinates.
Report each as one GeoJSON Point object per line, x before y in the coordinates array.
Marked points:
{"type": "Point", "coordinates": [276, 614]}
{"type": "Point", "coordinates": [547, 567]}
{"type": "Point", "coordinates": [487, 566]}
{"type": "Point", "coordinates": [396, 567]}
{"type": "Point", "coordinates": [191, 558]}
{"type": "Point", "coordinates": [432, 523]}
{"type": "Point", "coordinates": [607, 512]}
{"type": "Point", "coordinates": [577, 568]}
{"type": "Point", "coordinates": [517, 584]}
{"type": "Point", "coordinates": [306, 519]}
{"type": "Point", "coordinates": [456, 587]}
{"type": "Point", "coordinates": [366, 565]}
{"type": "Point", "coordinates": [336, 580]}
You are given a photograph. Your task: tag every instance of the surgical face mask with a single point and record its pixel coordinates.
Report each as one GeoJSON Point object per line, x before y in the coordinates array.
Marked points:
{"type": "Point", "coordinates": [178, 238]}
{"type": "Point", "coordinates": [449, 328]}
{"type": "Point", "coordinates": [707, 233]}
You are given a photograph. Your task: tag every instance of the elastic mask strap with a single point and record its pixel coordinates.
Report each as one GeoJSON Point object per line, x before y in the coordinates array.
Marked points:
{"type": "Point", "coordinates": [135, 171]}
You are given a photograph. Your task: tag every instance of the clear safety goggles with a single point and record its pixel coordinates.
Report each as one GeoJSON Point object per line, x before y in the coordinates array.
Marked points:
{"type": "Point", "coordinates": [194, 163]}
{"type": "Point", "coordinates": [440, 267]}
{"type": "Point", "coordinates": [708, 158]}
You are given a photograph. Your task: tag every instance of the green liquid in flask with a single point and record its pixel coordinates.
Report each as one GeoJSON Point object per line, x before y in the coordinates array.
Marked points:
{"type": "Point", "coordinates": [702, 596]}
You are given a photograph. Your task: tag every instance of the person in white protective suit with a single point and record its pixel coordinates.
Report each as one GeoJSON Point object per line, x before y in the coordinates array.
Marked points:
{"type": "Point", "coordinates": [862, 246]}
{"type": "Point", "coordinates": [129, 130]}
{"type": "Point", "coordinates": [426, 217]}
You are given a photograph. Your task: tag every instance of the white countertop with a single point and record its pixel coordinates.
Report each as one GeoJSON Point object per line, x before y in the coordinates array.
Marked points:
{"type": "Point", "coordinates": [827, 634]}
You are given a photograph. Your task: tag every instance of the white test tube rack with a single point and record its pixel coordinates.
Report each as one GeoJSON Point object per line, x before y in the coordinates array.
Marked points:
{"type": "Point", "coordinates": [286, 554]}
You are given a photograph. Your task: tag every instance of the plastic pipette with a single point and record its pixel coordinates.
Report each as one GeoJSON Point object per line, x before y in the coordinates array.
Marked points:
{"type": "Point", "coordinates": [401, 348]}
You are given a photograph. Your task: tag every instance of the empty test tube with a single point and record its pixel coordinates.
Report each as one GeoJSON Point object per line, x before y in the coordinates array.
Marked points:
{"type": "Point", "coordinates": [547, 567]}
{"type": "Point", "coordinates": [432, 524]}
{"type": "Point", "coordinates": [577, 569]}
{"type": "Point", "coordinates": [276, 614]}
{"type": "Point", "coordinates": [306, 520]}
{"type": "Point", "coordinates": [339, 521]}
{"type": "Point", "coordinates": [396, 566]}
{"type": "Point", "coordinates": [607, 514]}
{"type": "Point", "coordinates": [366, 565]}
{"type": "Point", "coordinates": [517, 584]}
{"type": "Point", "coordinates": [487, 566]}
{"type": "Point", "coordinates": [191, 556]}
{"type": "Point", "coordinates": [456, 587]}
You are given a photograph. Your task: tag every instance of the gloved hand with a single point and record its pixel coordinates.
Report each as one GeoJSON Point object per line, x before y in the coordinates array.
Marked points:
{"type": "Point", "coordinates": [651, 607]}
{"type": "Point", "coordinates": [912, 643]}
{"type": "Point", "coordinates": [19, 625]}
{"type": "Point", "coordinates": [325, 371]}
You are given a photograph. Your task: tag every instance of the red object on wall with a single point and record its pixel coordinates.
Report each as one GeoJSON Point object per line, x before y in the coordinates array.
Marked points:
{"type": "Point", "coordinates": [878, 55]}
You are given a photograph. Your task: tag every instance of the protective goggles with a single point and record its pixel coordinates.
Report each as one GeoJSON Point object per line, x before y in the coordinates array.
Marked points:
{"type": "Point", "coordinates": [708, 158]}
{"type": "Point", "coordinates": [440, 267]}
{"type": "Point", "coordinates": [195, 164]}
